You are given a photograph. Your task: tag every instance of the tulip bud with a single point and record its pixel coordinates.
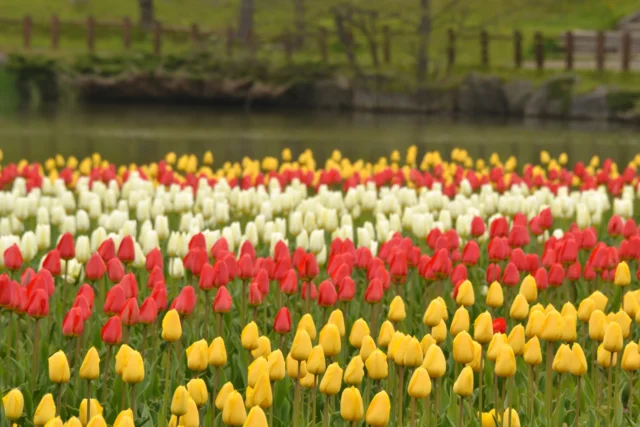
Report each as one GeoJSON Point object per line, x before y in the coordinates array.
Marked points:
{"type": "Point", "coordinates": [256, 418]}
{"type": "Point", "coordinates": [295, 369]}
{"type": "Point", "coordinates": [45, 411]}
{"type": "Point", "coordinates": [377, 365]}
{"type": "Point", "coordinates": [217, 353]}
{"type": "Point", "coordinates": [180, 401]}
{"type": "Point", "coordinates": [316, 362]}
{"type": "Point", "coordinates": [534, 323]}
{"type": "Point", "coordinates": [613, 341]}
{"type": "Point", "coordinates": [623, 276]}
{"type": "Point", "coordinates": [249, 336]}
{"type": "Point", "coordinates": [397, 311]}
{"type": "Point", "coordinates": [385, 334]}
{"type": "Point", "coordinates": [465, 295]}
{"type": "Point", "coordinates": [495, 346]}
{"type": "Point", "coordinates": [520, 308]}
{"type": "Point", "coordinates": [234, 412]}
{"type": "Point", "coordinates": [579, 361]}
{"type": "Point", "coordinates": [122, 358]}
{"type": "Point", "coordinates": [134, 370]}
{"type": "Point", "coordinates": [439, 333]}
{"type": "Point", "coordinates": [258, 367]}
{"type": "Point", "coordinates": [463, 385]}
{"type": "Point", "coordinates": [413, 354]}
{"type": "Point", "coordinates": [198, 391]}
{"type": "Point", "coordinates": [54, 422]}
{"type": "Point", "coordinates": [264, 348]}
{"type": "Point", "coordinates": [301, 346]}
{"type": "Point", "coordinates": [90, 369]}
{"type": "Point", "coordinates": [95, 410]}
{"type": "Point", "coordinates": [623, 319]}
{"type": "Point", "coordinates": [597, 325]}
{"type": "Point", "coordinates": [563, 359]}
{"type": "Point", "coordinates": [97, 421]}
{"type": "Point", "coordinates": [223, 395]}
{"type": "Point", "coordinates": [198, 356]}
{"type": "Point", "coordinates": [569, 333]}
{"type": "Point", "coordinates": [354, 372]}
{"type": "Point", "coordinates": [379, 410]}
{"type": "Point", "coordinates": [434, 362]}
{"type": "Point", "coordinates": [420, 384]}
{"type": "Point", "coordinates": [122, 416]}
{"type": "Point", "coordinates": [330, 340]}
{"type": "Point", "coordinates": [351, 408]}
{"type": "Point", "coordinates": [553, 327]}
{"type": "Point", "coordinates": [13, 404]}
{"type": "Point", "coordinates": [171, 326]}
{"type": "Point", "coordinates": [336, 318]}
{"type": "Point", "coordinates": [604, 357]}
{"type": "Point", "coordinates": [586, 307]}
{"type": "Point", "coordinates": [306, 323]}
{"type": "Point", "coordinates": [476, 363]}
{"type": "Point", "coordinates": [513, 414]}
{"type": "Point", "coordinates": [483, 328]}
{"type": "Point", "coordinates": [59, 368]}
{"type": "Point", "coordinates": [367, 347]}
{"type": "Point", "coordinates": [495, 297]}
{"type": "Point", "coordinates": [460, 321]}
{"type": "Point", "coordinates": [262, 394]}
{"type": "Point", "coordinates": [631, 357]}
{"type": "Point", "coordinates": [630, 303]}
{"type": "Point", "coordinates": [463, 348]}
{"type": "Point", "coordinates": [529, 289]}
{"type": "Point", "coordinates": [332, 380]}
{"type": "Point", "coordinates": [532, 352]}
{"type": "Point", "coordinates": [434, 314]}
{"type": "Point", "coordinates": [516, 339]}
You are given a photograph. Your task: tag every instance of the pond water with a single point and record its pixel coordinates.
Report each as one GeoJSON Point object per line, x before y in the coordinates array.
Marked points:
{"type": "Point", "coordinates": [136, 133]}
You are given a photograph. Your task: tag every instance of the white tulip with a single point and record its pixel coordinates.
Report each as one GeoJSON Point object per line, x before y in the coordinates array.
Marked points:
{"type": "Point", "coordinates": [150, 241]}
{"type": "Point", "coordinates": [83, 249]}
{"type": "Point", "coordinates": [176, 268]}
{"type": "Point", "coordinates": [316, 241]}
{"type": "Point", "coordinates": [98, 236]}
{"type": "Point", "coordinates": [68, 225]}
{"type": "Point", "coordinates": [302, 240]}
{"type": "Point", "coordinates": [28, 246]}
{"type": "Point", "coordinates": [295, 223]}
{"type": "Point", "coordinates": [161, 225]}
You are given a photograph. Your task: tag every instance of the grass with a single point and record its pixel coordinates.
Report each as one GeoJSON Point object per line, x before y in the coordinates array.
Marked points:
{"type": "Point", "coordinates": [499, 17]}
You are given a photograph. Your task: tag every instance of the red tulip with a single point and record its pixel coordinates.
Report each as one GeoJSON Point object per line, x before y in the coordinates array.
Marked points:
{"type": "Point", "coordinates": [222, 302]}
{"type": "Point", "coordinates": [52, 262]}
{"type": "Point", "coordinates": [82, 303]}
{"type": "Point", "coordinates": [115, 300]}
{"type": "Point", "coordinates": [198, 241]}
{"type": "Point", "coordinates": [453, 239]}
{"type": "Point", "coordinates": [477, 226]}
{"type": "Point", "coordinates": [496, 250]}
{"type": "Point", "coordinates": [73, 323]}
{"type": "Point", "coordinates": [9, 293]}
{"type": "Point", "coordinates": [206, 277]}
{"type": "Point", "coordinates": [154, 259]}
{"type": "Point", "coordinates": [282, 322]}
{"type": "Point", "coordinates": [542, 280]}
{"type": "Point", "coordinates": [629, 228]}
{"type": "Point", "coordinates": [43, 280]}
{"type": "Point", "coordinates": [459, 274]}
{"type": "Point", "coordinates": [267, 264]}
{"type": "Point", "coordinates": [493, 273]}
{"type": "Point", "coordinates": [289, 283]}
{"type": "Point", "coordinates": [115, 271]}
{"type": "Point", "coordinates": [66, 247]}
{"type": "Point", "coordinates": [398, 267]}
{"type": "Point", "coordinates": [556, 275]}
{"type": "Point", "coordinates": [130, 285]}
{"type": "Point", "coordinates": [499, 325]}
{"type": "Point", "coordinates": [383, 276]}
{"type": "Point", "coordinates": [423, 266]}
{"type": "Point", "coordinates": [433, 236]}
{"type": "Point", "coordinates": [148, 311]}
{"type": "Point", "coordinates": [441, 264]}
{"type": "Point", "coordinates": [374, 292]}
{"type": "Point", "coordinates": [308, 267]}
{"type": "Point", "coordinates": [282, 268]}
{"type": "Point", "coordinates": [185, 302]}
{"type": "Point", "coordinates": [471, 253]}
{"type": "Point", "coordinates": [38, 304]}
{"type": "Point", "coordinates": [196, 259]}
{"type": "Point", "coordinates": [374, 265]}
{"type": "Point", "coordinates": [262, 281]}
{"type": "Point", "coordinates": [340, 273]}
{"type": "Point", "coordinates": [255, 296]}
{"type": "Point", "coordinates": [155, 276]}
{"type": "Point", "coordinates": [327, 295]}
{"type": "Point", "coordinates": [87, 292]}
{"type": "Point", "coordinates": [519, 258]}
{"type": "Point", "coordinates": [130, 314]}
{"type": "Point", "coordinates": [95, 268]}
{"type": "Point", "coordinates": [520, 219]}
{"type": "Point", "coordinates": [346, 289]}
{"type": "Point", "coordinates": [245, 267]}
{"type": "Point", "coordinates": [281, 251]}
{"type": "Point", "coordinates": [23, 300]}
{"type": "Point", "coordinates": [126, 250]}
{"type": "Point", "coordinates": [27, 276]}
{"type": "Point", "coordinates": [568, 251]}
{"type": "Point", "coordinates": [499, 227]}
{"type": "Point", "coordinates": [510, 276]}
{"type": "Point", "coordinates": [107, 250]}
{"type": "Point", "coordinates": [13, 258]}
{"type": "Point", "coordinates": [615, 227]}
{"type": "Point", "coordinates": [546, 219]}
{"type": "Point", "coordinates": [441, 243]}
{"type": "Point", "coordinates": [298, 255]}
{"type": "Point", "coordinates": [111, 332]}
{"type": "Point", "coordinates": [363, 257]}
{"type": "Point", "coordinates": [598, 259]}
{"type": "Point", "coordinates": [220, 247]}
{"type": "Point", "coordinates": [518, 236]}
{"type": "Point", "coordinates": [248, 249]}
{"type": "Point", "coordinates": [159, 295]}
{"type": "Point", "coordinates": [574, 271]}
{"type": "Point", "coordinates": [308, 291]}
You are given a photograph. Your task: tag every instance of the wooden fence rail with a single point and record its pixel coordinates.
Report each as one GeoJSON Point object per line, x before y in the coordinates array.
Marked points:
{"type": "Point", "coordinates": [566, 51]}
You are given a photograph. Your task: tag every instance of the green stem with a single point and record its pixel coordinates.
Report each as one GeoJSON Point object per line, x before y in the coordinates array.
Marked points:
{"type": "Point", "coordinates": [610, 390]}
{"type": "Point", "coordinates": [105, 374]}
{"type": "Point", "coordinates": [630, 403]}
{"type": "Point", "coordinates": [88, 401]}
{"type": "Point", "coordinates": [34, 356]}
{"type": "Point", "coordinates": [400, 396]}
{"type": "Point", "coordinates": [578, 397]}
{"type": "Point", "coordinates": [547, 384]}
{"type": "Point", "coordinates": [166, 380]}
{"type": "Point", "coordinates": [325, 413]}
{"type": "Point", "coordinates": [413, 412]}
{"type": "Point", "coordinates": [428, 410]}
{"type": "Point", "coordinates": [214, 395]}
{"type": "Point", "coordinates": [480, 407]}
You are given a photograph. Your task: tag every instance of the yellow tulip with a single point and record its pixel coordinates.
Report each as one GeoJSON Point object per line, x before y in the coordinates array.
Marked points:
{"type": "Point", "coordinates": [377, 365]}
{"type": "Point", "coordinates": [495, 297]}
{"type": "Point", "coordinates": [13, 403]}
{"type": "Point", "coordinates": [613, 340]}
{"type": "Point", "coordinates": [301, 346]}
{"type": "Point", "coordinates": [54, 422]}
{"type": "Point", "coordinates": [439, 333]}
{"type": "Point", "coordinates": [354, 372]}
{"type": "Point", "coordinates": [495, 346]}
{"type": "Point", "coordinates": [258, 367]}
{"type": "Point", "coordinates": [420, 384]}
{"type": "Point", "coordinates": [563, 359]}
{"type": "Point", "coordinates": [309, 381]}
{"type": "Point", "coordinates": [122, 358]}
{"type": "Point", "coordinates": [234, 412]}
{"type": "Point", "coordinates": [579, 361]}
{"type": "Point", "coordinates": [475, 364]}
{"type": "Point", "coordinates": [489, 419]}
{"type": "Point", "coordinates": [198, 391]}
{"type": "Point", "coordinates": [351, 408]}
{"type": "Point", "coordinates": [465, 295]}
{"type": "Point", "coordinates": [460, 321]}
{"type": "Point", "coordinates": [397, 311]}
{"type": "Point", "coordinates": [171, 326]}
{"type": "Point", "coordinates": [552, 327]}
{"type": "Point", "coordinates": [463, 385]}
{"type": "Point", "coordinates": [264, 347]}
{"type": "Point", "coordinates": [630, 304]}
{"type": "Point", "coordinates": [386, 333]}
{"type": "Point", "coordinates": [426, 342]}
{"type": "Point", "coordinates": [379, 410]}
{"type": "Point", "coordinates": [434, 313]}
{"type": "Point", "coordinates": [97, 421]}
{"type": "Point", "coordinates": [180, 401]}
{"type": "Point", "coordinates": [262, 395]}
{"type": "Point", "coordinates": [90, 368]}
{"type": "Point", "coordinates": [249, 336]}
{"type": "Point", "coordinates": [306, 323]}
{"type": "Point", "coordinates": [256, 418]}
{"type": "Point", "coordinates": [532, 352]}
{"type": "Point", "coordinates": [631, 357]}
{"type": "Point", "coordinates": [359, 330]}
{"type": "Point", "coordinates": [600, 300]}
{"type": "Point", "coordinates": [316, 363]}
{"type": "Point", "coordinates": [45, 411]}
{"type": "Point", "coordinates": [134, 371]}
{"type": "Point", "coordinates": [529, 289]}
{"type": "Point", "coordinates": [59, 368]}
{"type": "Point", "coordinates": [276, 364]}
{"type": "Point", "coordinates": [74, 422]}
{"type": "Point", "coordinates": [586, 307]}
{"type": "Point", "coordinates": [332, 380]}
{"type": "Point", "coordinates": [463, 348]}
{"type": "Point", "coordinates": [506, 362]}
{"type": "Point", "coordinates": [597, 325]}
{"type": "Point", "coordinates": [520, 308]}
{"type": "Point", "coordinates": [367, 347]}
{"type": "Point", "coordinates": [337, 318]}
{"type": "Point", "coordinates": [330, 340]}
{"type": "Point", "coordinates": [483, 328]}
{"type": "Point", "coordinates": [569, 309]}
{"type": "Point", "coordinates": [223, 395]}
{"type": "Point", "coordinates": [513, 414]}
{"type": "Point", "coordinates": [604, 357]}
{"type": "Point", "coordinates": [434, 362]}
{"type": "Point", "coordinates": [217, 353]}
{"type": "Point", "coordinates": [412, 354]}
{"type": "Point", "coordinates": [623, 275]}
{"type": "Point", "coordinates": [95, 409]}
{"type": "Point", "coordinates": [127, 413]}
{"type": "Point", "coordinates": [623, 319]}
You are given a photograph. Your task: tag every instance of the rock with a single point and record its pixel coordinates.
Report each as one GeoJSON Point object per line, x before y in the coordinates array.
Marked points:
{"type": "Point", "coordinates": [552, 98]}
{"type": "Point", "coordinates": [518, 93]}
{"type": "Point", "coordinates": [479, 95]}
{"type": "Point", "coordinates": [593, 105]}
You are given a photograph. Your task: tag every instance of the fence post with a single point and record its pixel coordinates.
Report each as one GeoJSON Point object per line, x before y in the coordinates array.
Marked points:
{"type": "Point", "coordinates": [26, 31]}
{"type": "Point", "coordinates": [484, 48]}
{"type": "Point", "coordinates": [386, 44]}
{"type": "Point", "coordinates": [600, 50]}
{"type": "Point", "coordinates": [626, 50]}
{"type": "Point", "coordinates": [324, 52]}
{"type": "Point", "coordinates": [539, 48]}
{"type": "Point", "coordinates": [451, 49]}
{"type": "Point", "coordinates": [568, 50]}
{"type": "Point", "coordinates": [195, 35]}
{"type": "Point", "coordinates": [126, 32]}
{"type": "Point", "coordinates": [91, 33]}
{"type": "Point", "coordinates": [230, 36]}
{"type": "Point", "coordinates": [517, 48]}
{"type": "Point", "coordinates": [157, 38]}
{"type": "Point", "coordinates": [55, 32]}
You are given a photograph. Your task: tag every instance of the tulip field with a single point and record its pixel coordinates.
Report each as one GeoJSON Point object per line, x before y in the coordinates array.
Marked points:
{"type": "Point", "coordinates": [411, 291]}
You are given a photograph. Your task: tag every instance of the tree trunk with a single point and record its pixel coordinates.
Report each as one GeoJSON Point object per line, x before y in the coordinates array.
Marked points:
{"type": "Point", "coordinates": [146, 13]}
{"type": "Point", "coordinates": [298, 6]}
{"type": "Point", "coordinates": [423, 45]}
{"type": "Point", "coordinates": [245, 25]}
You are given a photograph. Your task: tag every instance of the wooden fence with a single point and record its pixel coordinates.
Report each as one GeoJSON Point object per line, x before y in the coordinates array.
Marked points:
{"type": "Point", "coordinates": [562, 55]}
